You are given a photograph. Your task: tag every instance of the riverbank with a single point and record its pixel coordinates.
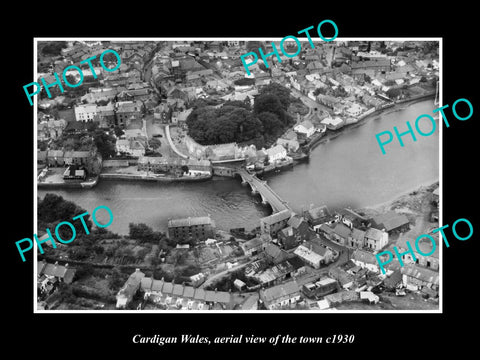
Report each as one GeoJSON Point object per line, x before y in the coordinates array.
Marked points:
{"type": "Point", "coordinates": [154, 177]}
{"type": "Point", "coordinates": [332, 134]}
{"type": "Point", "coordinates": [409, 201]}
{"type": "Point", "coordinates": [69, 184]}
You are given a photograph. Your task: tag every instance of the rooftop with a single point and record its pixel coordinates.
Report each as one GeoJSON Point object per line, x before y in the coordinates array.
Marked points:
{"type": "Point", "coordinates": [190, 221]}
{"type": "Point", "coordinates": [279, 291]}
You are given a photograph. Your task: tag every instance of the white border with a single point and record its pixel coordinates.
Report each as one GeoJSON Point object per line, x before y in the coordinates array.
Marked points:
{"type": "Point", "coordinates": [239, 312]}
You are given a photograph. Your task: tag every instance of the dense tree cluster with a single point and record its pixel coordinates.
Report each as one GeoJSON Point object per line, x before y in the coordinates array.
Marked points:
{"type": "Point", "coordinates": [53, 209]}
{"type": "Point", "coordinates": [236, 121]}
{"type": "Point", "coordinates": [87, 140]}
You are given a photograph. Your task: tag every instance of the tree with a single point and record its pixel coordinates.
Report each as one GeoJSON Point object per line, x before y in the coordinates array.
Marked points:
{"type": "Point", "coordinates": [53, 208]}
{"type": "Point", "coordinates": [154, 143]}
{"type": "Point", "coordinates": [281, 92]}
{"type": "Point", "coordinates": [393, 93]}
{"type": "Point", "coordinates": [116, 279]}
{"type": "Point", "coordinates": [84, 271]}
{"type": "Point", "coordinates": [118, 131]}
{"type": "Point", "coordinates": [320, 90]}
{"type": "Point", "coordinates": [270, 121]}
{"type": "Point", "coordinates": [143, 233]}
{"type": "Point", "coordinates": [105, 143]}
{"type": "Point", "coordinates": [269, 103]}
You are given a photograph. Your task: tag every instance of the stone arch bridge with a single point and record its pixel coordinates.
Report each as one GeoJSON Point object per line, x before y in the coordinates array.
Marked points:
{"type": "Point", "coordinates": [261, 187]}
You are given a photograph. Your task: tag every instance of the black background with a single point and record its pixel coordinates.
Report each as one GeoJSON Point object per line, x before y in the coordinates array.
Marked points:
{"type": "Point", "coordinates": [375, 334]}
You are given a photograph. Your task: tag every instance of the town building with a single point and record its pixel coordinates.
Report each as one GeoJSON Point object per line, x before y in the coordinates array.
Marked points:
{"type": "Point", "coordinates": [318, 216]}
{"type": "Point", "coordinates": [366, 260]}
{"type": "Point", "coordinates": [375, 239]}
{"type": "Point", "coordinates": [281, 296]}
{"type": "Point", "coordinates": [430, 261]}
{"type": "Point", "coordinates": [274, 223]}
{"type": "Point", "coordinates": [191, 228]}
{"type": "Point", "coordinates": [391, 222]}
{"type": "Point", "coordinates": [356, 238]}
{"type": "Point", "coordinates": [320, 288]}
{"type": "Point", "coordinates": [62, 273]}
{"type": "Point", "coordinates": [337, 232]}
{"type": "Point", "coordinates": [296, 232]}
{"type": "Point", "coordinates": [274, 254]}
{"type": "Point", "coordinates": [333, 123]}
{"type": "Point", "coordinates": [416, 278]}
{"type": "Point", "coordinates": [279, 272]}
{"type": "Point", "coordinates": [183, 297]}
{"type": "Point", "coordinates": [127, 111]}
{"type": "Point", "coordinates": [129, 289]}
{"type": "Point", "coordinates": [74, 172]}
{"type": "Point", "coordinates": [85, 112]}
{"type": "Point", "coordinates": [305, 129]}
{"type": "Point", "coordinates": [252, 247]}
{"type": "Point", "coordinates": [276, 153]}
{"type": "Point", "coordinates": [309, 256]}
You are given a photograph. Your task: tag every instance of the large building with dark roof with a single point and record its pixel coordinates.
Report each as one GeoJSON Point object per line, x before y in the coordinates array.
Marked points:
{"type": "Point", "coordinates": [191, 228]}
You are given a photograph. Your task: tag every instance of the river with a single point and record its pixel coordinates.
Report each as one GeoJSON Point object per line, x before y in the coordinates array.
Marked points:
{"type": "Point", "coordinates": [349, 170]}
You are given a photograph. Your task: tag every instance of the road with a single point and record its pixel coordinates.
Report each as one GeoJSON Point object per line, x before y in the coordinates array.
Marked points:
{"type": "Point", "coordinates": [275, 201]}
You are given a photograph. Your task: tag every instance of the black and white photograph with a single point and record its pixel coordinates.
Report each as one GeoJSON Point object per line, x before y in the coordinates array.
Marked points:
{"type": "Point", "coordinates": [234, 187]}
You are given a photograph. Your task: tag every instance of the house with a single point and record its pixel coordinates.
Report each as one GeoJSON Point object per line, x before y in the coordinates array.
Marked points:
{"type": "Point", "coordinates": [252, 247]}
{"type": "Point", "coordinates": [130, 146]}
{"type": "Point", "coordinates": [239, 284]}
{"type": "Point", "coordinates": [280, 296]}
{"type": "Point", "coordinates": [344, 279]}
{"type": "Point", "coordinates": [415, 278]}
{"type": "Point", "coordinates": [180, 116]}
{"type": "Point", "coordinates": [274, 254]}
{"type": "Point", "coordinates": [279, 272]}
{"type": "Point", "coordinates": [196, 228]}
{"type": "Point", "coordinates": [276, 153]}
{"type": "Point", "coordinates": [366, 260]}
{"type": "Point", "coordinates": [375, 239]}
{"type": "Point", "coordinates": [392, 281]}
{"type": "Point", "coordinates": [305, 129]}
{"type": "Point", "coordinates": [73, 172]}
{"type": "Point", "coordinates": [356, 238]}
{"type": "Point", "coordinates": [129, 289]}
{"type": "Point", "coordinates": [391, 222]}
{"type": "Point", "coordinates": [338, 232]}
{"type": "Point", "coordinates": [296, 232]}
{"type": "Point", "coordinates": [55, 158]}
{"type": "Point", "coordinates": [62, 273]}
{"type": "Point", "coordinates": [77, 157]}
{"type": "Point", "coordinates": [320, 288]}
{"type": "Point", "coordinates": [291, 145]}
{"type": "Point", "coordinates": [324, 251]}
{"type": "Point", "coordinates": [179, 296]}
{"type": "Point", "coordinates": [274, 223]}
{"type": "Point", "coordinates": [377, 64]}
{"type": "Point", "coordinates": [318, 216]}
{"type": "Point", "coordinates": [430, 261]}
{"type": "Point", "coordinates": [85, 112]}
{"type": "Point", "coordinates": [127, 111]}
{"type": "Point", "coordinates": [333, 123]}
{"type": "Point", "coordinates": [309, 256]}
